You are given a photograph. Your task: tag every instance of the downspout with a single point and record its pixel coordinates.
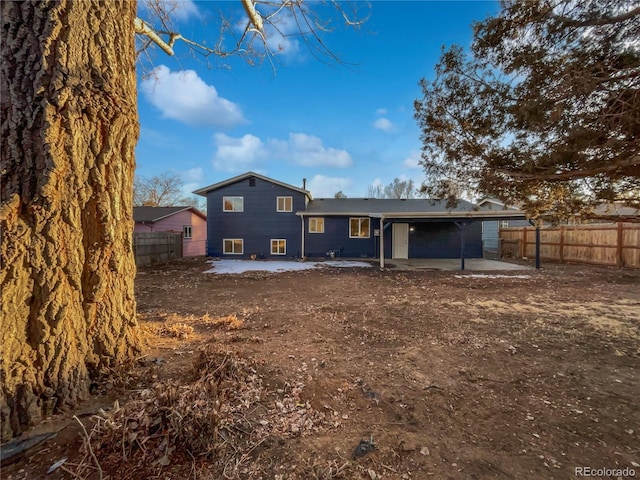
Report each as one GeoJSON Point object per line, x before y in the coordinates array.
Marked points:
{"type": "Point", "coordinates": [382, 242]}
{"type": "Point", "coordinates": [302, 243]}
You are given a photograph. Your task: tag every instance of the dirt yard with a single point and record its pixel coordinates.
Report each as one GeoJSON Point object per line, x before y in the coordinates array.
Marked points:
{"type": "Point", "coordinates": [363, 374]}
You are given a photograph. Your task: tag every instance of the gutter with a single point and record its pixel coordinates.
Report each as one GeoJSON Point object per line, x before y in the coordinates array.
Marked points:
{"type": "Point", "coordinates": [426, 215]}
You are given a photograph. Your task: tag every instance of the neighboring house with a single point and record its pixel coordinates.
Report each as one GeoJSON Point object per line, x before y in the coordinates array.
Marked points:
{"type": "Point", "coordinates": [610, 213]}
{"type": "Point", "coordinates": [190, 221]}
{"type": "Point", "coordinates": [253, 215]}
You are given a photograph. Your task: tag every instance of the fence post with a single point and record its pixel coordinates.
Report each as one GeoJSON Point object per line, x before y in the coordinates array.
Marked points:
{"type": "Point", "coordinates": [524, 243]}
{"type": "Point", "coordinates": [620, 237]}
{"type": "Point", "coordinates": [561, 253]}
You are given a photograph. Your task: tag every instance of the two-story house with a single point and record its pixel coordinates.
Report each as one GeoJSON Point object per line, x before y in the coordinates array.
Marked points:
{"type": "Point", "coordinates": [253, 215]}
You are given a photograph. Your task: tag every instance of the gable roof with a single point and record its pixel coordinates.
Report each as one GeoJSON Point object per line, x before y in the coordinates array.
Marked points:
{"type": "Point", "coordinates": [155, 214]}
{"type": "Point", "coordinates": [401, 208]}
{"type": "Point", "coordinates": [488, 203]}
{"type": "Point", "coordinates": [203, 191]}
{"type": "Point", "coordinates": [616, 209]}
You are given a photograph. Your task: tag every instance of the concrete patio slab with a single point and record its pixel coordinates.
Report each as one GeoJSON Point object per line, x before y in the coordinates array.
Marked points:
{"type": "Point", "coordinates": [470, 264]}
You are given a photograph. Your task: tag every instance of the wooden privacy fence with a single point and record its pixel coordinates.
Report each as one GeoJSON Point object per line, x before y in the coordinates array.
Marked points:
{"type": "Point", "coordinates": [151, 248]}
{"type": "Point", "coordinates": [604, 244]}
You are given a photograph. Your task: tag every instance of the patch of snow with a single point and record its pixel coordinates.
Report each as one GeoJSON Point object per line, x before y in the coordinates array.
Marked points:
{"type": "Point", "coordinates": [344, 263]}
{"type": "Point", "coordinates": [226, 266]}
{"type": "Point", "coordinates": [484, 275]}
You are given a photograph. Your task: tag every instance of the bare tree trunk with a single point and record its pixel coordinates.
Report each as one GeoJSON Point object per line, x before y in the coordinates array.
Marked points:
{"type": "Point", "coordinates": [69, 127]}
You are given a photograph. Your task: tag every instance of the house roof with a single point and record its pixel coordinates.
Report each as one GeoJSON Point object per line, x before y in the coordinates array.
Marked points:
{"type": "Point", "coordinates": [203, 191]}
{"type": "Point", "coordinates": [488, 203]}
{"type": "Point", "coordinates": [401, 208]}
{"type": "Point", "coordinates": [616, 209]}
{"type": "Point", "coordinates": [155, 214]}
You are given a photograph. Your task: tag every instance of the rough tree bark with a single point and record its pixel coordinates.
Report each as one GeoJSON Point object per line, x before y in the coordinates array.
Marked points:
{"type": "Point", "coordinates": [69, 126]}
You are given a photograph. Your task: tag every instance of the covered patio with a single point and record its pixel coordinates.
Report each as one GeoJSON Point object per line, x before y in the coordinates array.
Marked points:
{"type": "Point", "coordinates": [461, 219]}
{"type": "Point", "coordinates": [449, 264]}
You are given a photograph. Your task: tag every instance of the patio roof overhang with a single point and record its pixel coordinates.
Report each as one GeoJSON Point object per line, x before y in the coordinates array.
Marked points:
{"type": "Point", "coordinates": [449, 215]}
{"type": "Point", "coordinates": [460, 218]}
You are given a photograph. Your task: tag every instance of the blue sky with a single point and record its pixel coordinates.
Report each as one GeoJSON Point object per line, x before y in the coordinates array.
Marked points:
{"type": "Point", "coordinates": [341, 126]}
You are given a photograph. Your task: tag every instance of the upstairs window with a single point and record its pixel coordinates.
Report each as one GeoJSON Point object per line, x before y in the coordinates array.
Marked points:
{"type": "Point", "coordinates": [316, 225]}
{"type": "Point", "coordinates": [186, 231]}
{"type": "Point", "coordinates": [359, 227]}
{"type": "Point", "coordinates": [233, 204]}
{"type": "Point", "coordinates": [284, 204]}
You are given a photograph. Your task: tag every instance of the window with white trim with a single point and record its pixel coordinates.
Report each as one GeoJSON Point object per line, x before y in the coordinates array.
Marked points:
{"type": "Point", "coordinates": [233, 204]}
{"type": "Point", "coordinates": [278, 246]}
{"type": "Point", "coordinates": [316, 225]}
{"type": "Point", "coordinates": [359, 227]}
{"type": "Point", "coordinates": [504, 223]}
{"type": "Point", "coordinates": [284, 204]}
{"type": "Point", "coordinates": [233, 246]}
{"type": "Point", "coordinates": [186, 231]}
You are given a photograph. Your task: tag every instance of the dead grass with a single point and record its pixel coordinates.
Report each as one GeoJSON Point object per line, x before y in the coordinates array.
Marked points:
{"type": "Point", "coordinates": [230, 322]}
{"type": "Point", "coordinates": [173, 420]}
{"type": "Point", "coordinates": [181, 331]}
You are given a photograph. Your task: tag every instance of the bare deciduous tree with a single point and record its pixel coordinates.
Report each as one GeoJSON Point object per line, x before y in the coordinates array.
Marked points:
{"type": "Point", "coordinates": [164, 190]}
{"type": "Point", "coordinates": [396, 189]}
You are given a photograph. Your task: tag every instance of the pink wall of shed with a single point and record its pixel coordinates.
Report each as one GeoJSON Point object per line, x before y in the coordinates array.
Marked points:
{"type": "Point", "coordinates": [190, 246]}
{"type": "Point", "coordinates": [196, 245]}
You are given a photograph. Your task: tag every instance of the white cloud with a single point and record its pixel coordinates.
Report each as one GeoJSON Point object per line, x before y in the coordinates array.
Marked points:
{"type": "Point", "coordinates": [279, 32]}
{"type": "Point", "coordinates": [412, 161]}
{"type": "Point", "coordinates": [238, 154]}
{"type": "Point", "coordinates": [248, 152]}
{"type": "Point", "coordinates": [188, 188]}
{"type": "Point", "coordinates": [185, 97]}
{"type": "Point", "coordinates": [309, 151]}
{"type": "Point", "coordinates": [381, 111]}
{"type": "Point", "coordinates": [182, 10]}
{"type": "Point", "coordinates": [191, 175]}
{"type": "Point", "coordinates": [383, 124]}
{"type": "Point", "coordinates": [175, 10]}
{"type": "Point", "coordinates": [326, 187]}
{"type": "Point", "coordinates": [277, 39]}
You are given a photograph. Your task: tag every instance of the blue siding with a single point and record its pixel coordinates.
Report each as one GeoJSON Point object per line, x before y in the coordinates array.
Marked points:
{"type": "Point", "coordinates": [336, 237]}
{"type": "Point", "coordinates": [258, 223]}
{"type": "Point", "coordinates": [428, 240]}
{"type": "Point", "coordinates": [439, 240]}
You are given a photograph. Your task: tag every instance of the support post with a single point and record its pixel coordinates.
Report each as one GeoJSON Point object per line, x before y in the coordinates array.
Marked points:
{"type": "Point", "coordinates": [537, 247]}
{"type": "Point", "coordinates": [382, 242]}
{"type": "Point", "coordinates": [461, 226]}
{"type": "Point", "coordinates": [619, 241]}
{"type": "Point", "coordinates": [537, 227]}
